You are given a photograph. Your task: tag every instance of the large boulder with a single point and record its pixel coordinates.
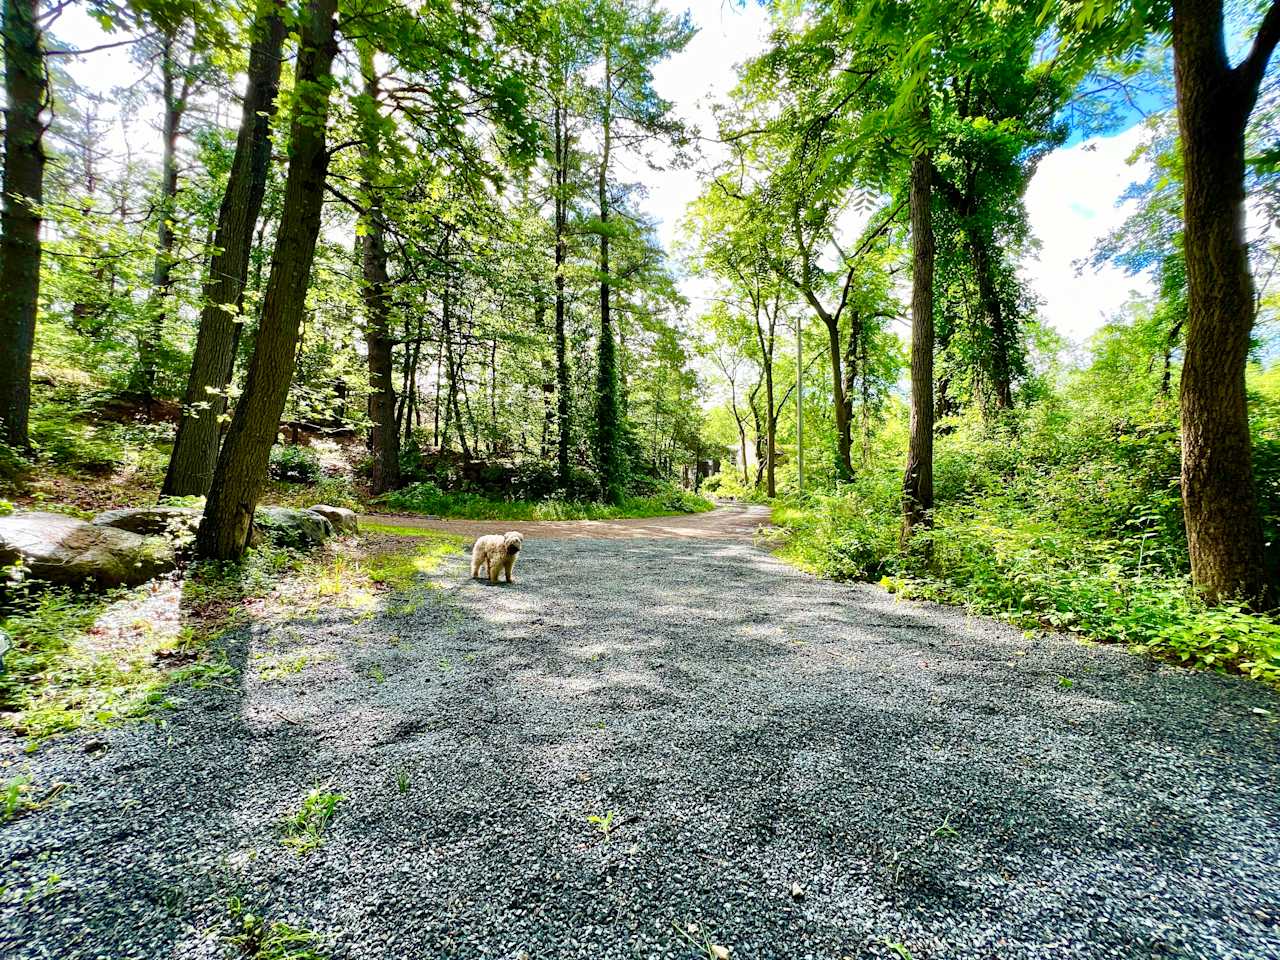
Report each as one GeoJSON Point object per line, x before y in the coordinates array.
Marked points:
{"type": "Point", "coordinates": [344, 521]}
{"type": "Point", "coordinates": [178, 522]}
{"type": "Point", "coordinates": [63, 550]}
{"type": "Point", "coordinates": [288, 527]}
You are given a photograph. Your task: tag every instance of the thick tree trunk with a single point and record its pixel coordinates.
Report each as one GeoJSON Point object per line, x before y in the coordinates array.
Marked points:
{"type": "Point", "coordinates": [1001, 363]}
{"type": "Point", "coordinates": [917, 481]}
{"type": "Point", "coordinates": [608, 438]}
{"type": "Point", "coordinates": [195, 447]}
{"type": "Point", "coordinates": [24, 158]}
{"type": "Point", "coordinates": [1220, 505]}
{"type": "Point", "coordinates": [241, 470]}
{"type": "Point", "coordinates": [384, 438]}
{"type": "Point", "coordinates": [563, 422]}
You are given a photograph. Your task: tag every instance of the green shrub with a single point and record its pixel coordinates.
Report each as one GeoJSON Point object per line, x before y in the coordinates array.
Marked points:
{"type": "Point", "coordinates": [294, 464]}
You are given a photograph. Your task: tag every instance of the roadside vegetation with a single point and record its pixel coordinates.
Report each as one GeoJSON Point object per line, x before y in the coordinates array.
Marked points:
{"type": "Point", "coordinates": [85, 661]}
{"type": "Point", "coordinates": [1063, 515]}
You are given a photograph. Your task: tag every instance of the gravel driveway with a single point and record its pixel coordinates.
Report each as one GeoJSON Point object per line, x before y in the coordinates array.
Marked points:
{"type": "Point", "coordinates": [778, 765]}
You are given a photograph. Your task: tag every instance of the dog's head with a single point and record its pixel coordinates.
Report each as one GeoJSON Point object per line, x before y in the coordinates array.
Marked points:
{"type": "Point", "coordinates": [513, 541]}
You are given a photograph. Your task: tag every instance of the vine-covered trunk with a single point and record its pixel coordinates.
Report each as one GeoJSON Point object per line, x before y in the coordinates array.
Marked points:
{"type": "Point", "coordinates": [24, 158]}
{"type": "Point", "coordinates": [384, 438]}
{"type": "Point", "coordinates": [917, 480]}
{"type": "Point", "coordinates": [1000, 361]}
{"type": "Point", "coordinates": [1220, 506]}
{"type": "Point", "coordinates": [195, 447]}
{"type": "Point", "coordinates": [241, 470]}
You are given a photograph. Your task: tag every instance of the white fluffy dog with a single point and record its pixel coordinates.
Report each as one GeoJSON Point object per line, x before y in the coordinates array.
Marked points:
{"type": "Point", "coordinates": [496, 552]}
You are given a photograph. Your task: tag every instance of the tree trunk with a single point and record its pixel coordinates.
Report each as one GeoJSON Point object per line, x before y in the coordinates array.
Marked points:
{"type": "Point", "coordinates": [843, 402]}
{"type": "Point", "coordinates": [563, 424]}
{"type": "Point", "coordinates": [175, 106]}
{"type": "Point", "coordinates": [241, 470]}
{"type": "Point", "coordinates": [24, 158]}
{"type": "Point", "coordinates": [608, 440]}
{"type": "Point", "coordinates": [195, 447]}
{"type": "Point", "coordinates": [917, 481]}
{"type": "Point", "coordinates": [384, 438]}
{"type": "Point", "coordinates": [1220, 506]}
{"type": "Point", "coordinates": [1001, 363]}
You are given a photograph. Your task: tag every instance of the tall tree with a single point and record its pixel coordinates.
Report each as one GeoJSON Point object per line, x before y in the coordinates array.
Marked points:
{"type": "Point", "coordinates": [917, 480]}
{"type": "Point", "coordinates": [384, 438]}
{"type": "Point", "coordinates": [633, 37]}
{"type": "Point", "coordinates": [195, 448]}
{"type": "Point", "coordinates": [26, 94]}
{"type": "Point", "coordinates": [1220, 502]}
{"type": "Point", "coordinates": [242, 462]}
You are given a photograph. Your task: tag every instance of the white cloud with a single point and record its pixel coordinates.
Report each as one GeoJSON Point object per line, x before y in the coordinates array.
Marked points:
{"type": "Point", "coordinates": [1072, 202]}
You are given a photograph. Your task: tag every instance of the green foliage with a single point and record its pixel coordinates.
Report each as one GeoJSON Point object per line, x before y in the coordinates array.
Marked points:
{"type": "Point", "coordinates": [294, 464]}
{"type": "Point", "coordinates": [1064, 516]}
{"type": "Point", "coordinates": [427, 498]}
{"type": "Point", "coordinates": [304, 830]}
{"type": "Point", "coordinates": [256, 938]}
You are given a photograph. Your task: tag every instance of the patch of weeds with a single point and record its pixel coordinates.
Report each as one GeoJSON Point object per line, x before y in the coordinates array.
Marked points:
{"type": "Point", "coordinates": [898, 948]}
{"type": "Point", "coordinates": [1066, 683]}
{"type": "Point", "coordinates": [256, 938]}
{"type": "Point", "coordinates": [304, 830]}
{"type": "Point", "coordinates": [277, 668]}
{"type": "Point", "coordinates": [402, 781]}
{"type": "Point", "coordinates": [17, 797]}
{"type": "Point", "coordinates": [377, 674]}
{"type": "Point", "coordinates": [945, 830]}
{"type": "Point", "coordinates": [604, 824]}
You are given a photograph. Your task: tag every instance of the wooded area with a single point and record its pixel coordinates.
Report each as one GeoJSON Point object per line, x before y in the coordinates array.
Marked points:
{"type": "Point", "coordinates": [415, 224]}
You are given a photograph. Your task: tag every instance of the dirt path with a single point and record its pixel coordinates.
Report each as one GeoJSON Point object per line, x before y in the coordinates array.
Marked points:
{"type": "Point", "coordinates": [737, 521]}
{"type": "Point", "coordinates": [651, 746]}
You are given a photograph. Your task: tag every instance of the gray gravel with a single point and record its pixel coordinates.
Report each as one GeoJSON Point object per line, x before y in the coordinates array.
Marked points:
{"type": "Point", "coordinates": [801, 769]}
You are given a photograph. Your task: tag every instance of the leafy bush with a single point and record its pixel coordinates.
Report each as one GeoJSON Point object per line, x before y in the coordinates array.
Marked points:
{"type": "Point", "coordinates": [294, 464]}
{"type": "Point", "coordinates": [1065, 516]}
{"type": "Point", "coordinates": [427, 498]}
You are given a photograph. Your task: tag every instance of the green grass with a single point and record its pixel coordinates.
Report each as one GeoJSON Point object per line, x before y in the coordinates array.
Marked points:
{"type": "Point", "coordinates": [256, 938]}
{"type": "Point", "coordinates": [430, 500]}
{"type": "Point", "coordinates": [304, 830]}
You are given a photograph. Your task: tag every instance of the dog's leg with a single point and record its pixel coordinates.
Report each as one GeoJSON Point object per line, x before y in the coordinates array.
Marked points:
{"type": "Point", "coordinates": [494, 569]}
{"type": "Point", "coordinates": [508, 567]}
{"type": "Point", "coordinates": [475, 565]}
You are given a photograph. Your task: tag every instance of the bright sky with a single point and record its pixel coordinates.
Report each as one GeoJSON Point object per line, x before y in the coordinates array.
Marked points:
{"type": "Point", "coordinates": [1072, 200]}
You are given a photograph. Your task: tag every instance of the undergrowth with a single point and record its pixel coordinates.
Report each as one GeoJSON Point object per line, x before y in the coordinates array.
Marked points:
{"type": "Point", "coordinates": [1064, 517]}
{"type": "Point", "coordinates": [427, 498]}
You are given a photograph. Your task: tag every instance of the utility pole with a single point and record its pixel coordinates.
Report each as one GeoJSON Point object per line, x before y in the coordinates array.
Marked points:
{"type": "Point", "coordinates": [799, 405]}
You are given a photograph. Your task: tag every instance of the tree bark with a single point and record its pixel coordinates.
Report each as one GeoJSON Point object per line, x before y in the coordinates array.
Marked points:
{"type": "Point", "coordinates": [195, 447]}
{"type": "Point", "coordinates": [564, 425]}
{"type": "Point", "coordinates": [384, 438]}
{"type": "Point", "coordinates": [1001, 364]}
{"type": "Point", "coordinates": [917, 481]}
{"type": "Point", "coordinates": [241, 470]}
{"type": "Point", "coordinates": [24, 159]}
{"type": "Point", "coordinates": [608, 439]}
{"type": "Point", "coordinates": [1220, 505]}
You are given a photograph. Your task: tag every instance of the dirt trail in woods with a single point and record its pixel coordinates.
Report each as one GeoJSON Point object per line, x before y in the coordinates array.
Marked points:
{"type": "Point", "coordinates": [661, 741]}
